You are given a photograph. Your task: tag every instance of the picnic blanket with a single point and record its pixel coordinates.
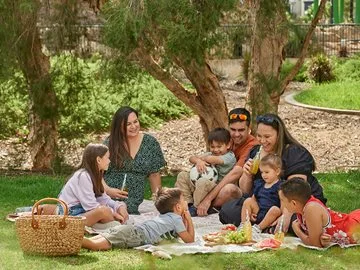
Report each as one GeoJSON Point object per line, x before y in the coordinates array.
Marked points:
{"type": "Point", "coordinates": [202, 225]}
{"type": "Point", "coordinates": [205, 225]}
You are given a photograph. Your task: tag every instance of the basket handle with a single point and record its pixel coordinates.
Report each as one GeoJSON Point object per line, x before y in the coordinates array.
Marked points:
{"type": "Point", "coordinates": [62, 223]}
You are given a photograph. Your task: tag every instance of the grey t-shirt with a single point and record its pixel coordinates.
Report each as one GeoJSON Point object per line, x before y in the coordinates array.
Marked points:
{"type": "Point", "coordinates": [229, 162]}
{"type": "Point", "coordinates": [164, 226]}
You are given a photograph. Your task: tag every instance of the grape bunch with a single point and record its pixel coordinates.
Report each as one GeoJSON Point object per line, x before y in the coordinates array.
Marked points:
{"type": "Point", "coordinates": [235, 237]}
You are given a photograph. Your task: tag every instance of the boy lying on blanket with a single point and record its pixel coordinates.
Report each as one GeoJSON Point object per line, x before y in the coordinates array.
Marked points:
{"type": "Point", "coordinates": [314, 220]}
{"type": "Point", "coordinates": [174, 220]}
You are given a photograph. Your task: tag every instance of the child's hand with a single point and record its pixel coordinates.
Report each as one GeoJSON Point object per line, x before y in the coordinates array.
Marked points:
{"type": "Point", "coordinates": [122, 211]}
{"type": "Point", "coordinates": [201, 166]}
{"type": "Point", "coordinates": [185, 206]}
{"type": "Point", "coordinates": [325, 239]}
{"type": "Point", "coordinates": [185, 219]}
{"type": "Point", "coordinates": [118, 217]}
{"type": "Point", "coordinates": [253, 217]}
{"type": "Point", "coordinates": [296, 226]}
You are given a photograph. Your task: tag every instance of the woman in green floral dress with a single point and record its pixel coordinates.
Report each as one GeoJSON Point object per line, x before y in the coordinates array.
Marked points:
{"type": "Point", "coordinates": [134, 157]}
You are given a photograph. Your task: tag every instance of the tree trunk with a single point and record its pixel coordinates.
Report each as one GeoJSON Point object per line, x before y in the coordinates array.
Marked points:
{"type": "Point", "coordinates": [208, 102]}
{"type": "Point", "coordinates": [212, 110]}
{"type": "Point", "coordinates": [43, 103]}
{"type": "Point", "coordinates": [267, 44]}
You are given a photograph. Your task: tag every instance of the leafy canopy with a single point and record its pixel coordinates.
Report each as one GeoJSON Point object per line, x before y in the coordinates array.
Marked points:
{"type": "Point", "coordinates": [179, 28]}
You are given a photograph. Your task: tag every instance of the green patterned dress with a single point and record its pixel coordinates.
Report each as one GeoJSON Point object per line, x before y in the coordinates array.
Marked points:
{"type": "Point", "coordinates": [149, 159]}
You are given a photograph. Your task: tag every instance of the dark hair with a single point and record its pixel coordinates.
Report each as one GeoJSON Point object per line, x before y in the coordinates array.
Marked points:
{"type": "Point", "coordinates": [118, 141]}
{"type": "Point", "coordinates": [235, 116]}
{"type": "Point", "coordinates": [166, 199]}
{"type": "Point", "coordinates": [89, 163]}
{"type": "Point", "coordinates": [271, 160]}
{"type": "Point", "coordinates": [221, 135]}
{"type": "Point", "coordinates": [296, 189]}
{"type": "Point", "coordinates": [284, 137]}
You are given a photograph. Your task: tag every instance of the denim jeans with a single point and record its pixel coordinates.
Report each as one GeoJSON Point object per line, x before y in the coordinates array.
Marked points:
{"type": "Point", "coordinates": [73, 210]}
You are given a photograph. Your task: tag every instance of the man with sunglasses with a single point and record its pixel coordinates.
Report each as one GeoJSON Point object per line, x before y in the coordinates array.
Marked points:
{"type": "Point", "coordinates": [242, 142]}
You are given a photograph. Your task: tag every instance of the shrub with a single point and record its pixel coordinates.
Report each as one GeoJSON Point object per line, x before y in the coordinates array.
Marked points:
{"type": "Point", "coordinates": [301, 76]}
{"type": "Point", "coordinates": [320, 69]}
{"type": "Point", "coordinates": [87, 99]}
{"type": "Point", "coordinates": [348, 69]}
{"type": "Point", "coordinates": [14, 107]}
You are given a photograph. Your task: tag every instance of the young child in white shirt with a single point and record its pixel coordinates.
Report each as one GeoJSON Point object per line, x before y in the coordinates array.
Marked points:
{"type": "Point", "coordinates": [84, 191]}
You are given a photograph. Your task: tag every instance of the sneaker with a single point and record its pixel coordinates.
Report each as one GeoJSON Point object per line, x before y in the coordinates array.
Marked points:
{"type": "Point", "coordinates": [256, 229]}
{"type": "Point", "coordinates": [193, 211]}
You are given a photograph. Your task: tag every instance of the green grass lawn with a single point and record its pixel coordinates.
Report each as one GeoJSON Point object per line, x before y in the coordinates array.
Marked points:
{"type": "Point", "coordinates": [340, 95]}
{"type": "Point", "coordinates": [341, 189]}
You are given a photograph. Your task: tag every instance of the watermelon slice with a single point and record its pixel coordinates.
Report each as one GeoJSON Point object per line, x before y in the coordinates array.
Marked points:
{"type": "Point", "coordinates": [268, 243]}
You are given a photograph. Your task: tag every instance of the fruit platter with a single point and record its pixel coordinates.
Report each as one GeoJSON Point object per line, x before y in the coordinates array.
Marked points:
{"type": "Point", "coordinates": [228, 235]}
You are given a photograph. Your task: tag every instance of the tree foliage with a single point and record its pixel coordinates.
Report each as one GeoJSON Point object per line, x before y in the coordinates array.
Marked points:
{"type": "Point", "coordinates": [181, 28]}
{"type": "Point", "coordinates": [165, 36]}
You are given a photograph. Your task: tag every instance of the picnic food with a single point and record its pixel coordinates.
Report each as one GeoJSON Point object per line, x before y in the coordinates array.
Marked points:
{"type": "Point", "coordinates": [229, 227]}
{"type": "Point", "coordinates": [235, 237]}
{"type": "Point", "coordinates": [268, 243]}
{"type": "Point", "coordinates": [227, 235]}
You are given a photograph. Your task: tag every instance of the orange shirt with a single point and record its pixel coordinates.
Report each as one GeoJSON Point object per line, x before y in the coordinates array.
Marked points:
{"type": "Point", "coordinates": [242, 151]}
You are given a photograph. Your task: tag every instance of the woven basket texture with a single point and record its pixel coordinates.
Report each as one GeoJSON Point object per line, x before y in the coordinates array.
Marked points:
{"type": "Point", "coordinates": [50, 235]}
{"type": "Point", "coordinates": [49, 239]}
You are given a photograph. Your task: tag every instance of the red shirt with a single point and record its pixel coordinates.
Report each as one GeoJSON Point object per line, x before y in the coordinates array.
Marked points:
{"type": "Point", "coordinates": [343, 228]}
{"type": "Point", "coordinates": [242, 151]}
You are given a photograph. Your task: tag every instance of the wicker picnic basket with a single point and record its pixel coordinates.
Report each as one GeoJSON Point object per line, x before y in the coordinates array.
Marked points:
{"type": "Point", "coordinates": [50, 235]}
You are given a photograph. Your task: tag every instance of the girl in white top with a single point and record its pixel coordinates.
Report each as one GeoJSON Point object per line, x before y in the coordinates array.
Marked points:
{"type": "Point", "coordinates": [84, 191]}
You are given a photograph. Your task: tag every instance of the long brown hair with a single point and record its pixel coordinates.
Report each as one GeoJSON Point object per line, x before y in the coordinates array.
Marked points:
{"type": "Point", "coordinates": [284, 138]}
{"type": "Point", "coordinates": [118, 141]}
{"type": "Point", "coordinates": [89, 163]}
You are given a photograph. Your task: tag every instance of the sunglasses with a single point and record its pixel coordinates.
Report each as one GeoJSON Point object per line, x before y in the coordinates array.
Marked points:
{"type": "Point", "coordinates": [266, 119]}
{"type": "Point", "coordinates": [241, 116]}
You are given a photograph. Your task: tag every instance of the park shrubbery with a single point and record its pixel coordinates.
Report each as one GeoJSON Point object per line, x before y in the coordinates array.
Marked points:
{"type": "Point", "coordinates": [13, 100]}
{"type": "Point", "coordinates": [88, 99]}
{"type": "Point", "coordinates": [320, 69]}
{"type": "Point", "coordinates": [342, 92]}
{"type": "Point", "coordinates": [348, 69]}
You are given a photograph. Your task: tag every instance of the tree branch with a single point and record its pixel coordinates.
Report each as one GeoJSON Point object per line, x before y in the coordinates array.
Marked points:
{"type": "Point", "coordinates": [305, 47]}
{"type": "Point", "coordinates": [150, 65]}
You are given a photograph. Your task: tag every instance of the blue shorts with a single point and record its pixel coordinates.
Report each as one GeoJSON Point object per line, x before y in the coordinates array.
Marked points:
{"type": "Point", "coordinates": [73, 210]}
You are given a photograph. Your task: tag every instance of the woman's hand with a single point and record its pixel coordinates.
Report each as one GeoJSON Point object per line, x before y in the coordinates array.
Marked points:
{"type": "Point", "coordinates": [247, 166]}
{"type": "Point", "coordinates": [122, 211]}
{"type": "Point", "coordinates": [116, 193]}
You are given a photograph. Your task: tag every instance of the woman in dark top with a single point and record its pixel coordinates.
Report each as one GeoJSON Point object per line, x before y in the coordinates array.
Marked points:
{"type": "Point", "coordinates": [297, 162]}
{"type": "Point", "coordinates": [134, 157]}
